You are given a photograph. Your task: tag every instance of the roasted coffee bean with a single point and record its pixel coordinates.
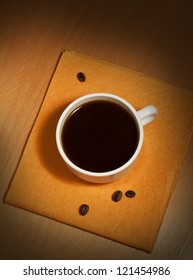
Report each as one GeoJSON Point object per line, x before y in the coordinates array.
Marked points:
{"type": "Point", "coordinates": [83, 210]}
{"type": "Point", "coordinates": [117, 196]}
{"type": "Point", "coordinates": [130, 194]}
{"type": "Point", "coordinates": [81, 77]}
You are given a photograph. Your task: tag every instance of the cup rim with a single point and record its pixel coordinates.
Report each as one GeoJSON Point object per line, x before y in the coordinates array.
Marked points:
{"type": "Point", "coordinates": [81, 100]}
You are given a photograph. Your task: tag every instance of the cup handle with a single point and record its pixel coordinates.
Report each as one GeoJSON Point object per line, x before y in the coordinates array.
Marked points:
{"type": "Point", "coordinates": [147, 114]}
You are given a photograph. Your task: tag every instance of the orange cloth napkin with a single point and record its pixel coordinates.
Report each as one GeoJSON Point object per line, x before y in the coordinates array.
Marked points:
{"type": "Point", "coordinates": [43, 184]}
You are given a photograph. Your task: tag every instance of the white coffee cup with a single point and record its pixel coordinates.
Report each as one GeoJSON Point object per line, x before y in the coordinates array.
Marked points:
{"type": "Point", "coordinates": [142, 117]}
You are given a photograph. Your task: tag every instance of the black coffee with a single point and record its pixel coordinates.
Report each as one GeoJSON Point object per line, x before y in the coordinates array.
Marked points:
{"type": "Point", "coordinates": [100, 136]}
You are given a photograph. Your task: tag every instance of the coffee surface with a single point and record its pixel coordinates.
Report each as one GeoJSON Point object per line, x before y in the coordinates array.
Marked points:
{"type": "Point", "coordinates": [100, 136]}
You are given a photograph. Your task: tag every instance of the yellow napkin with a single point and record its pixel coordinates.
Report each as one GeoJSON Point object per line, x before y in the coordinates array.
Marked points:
{"type": "Point", "coordinates": [43, 184]}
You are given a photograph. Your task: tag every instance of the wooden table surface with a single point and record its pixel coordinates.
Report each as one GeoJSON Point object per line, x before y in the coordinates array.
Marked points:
{"type": "Point", "coordinates": [151, 37]}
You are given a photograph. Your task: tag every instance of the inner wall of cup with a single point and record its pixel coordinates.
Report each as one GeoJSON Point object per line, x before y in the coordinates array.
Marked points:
{"type": "Point", "coordinates": [76, 104]}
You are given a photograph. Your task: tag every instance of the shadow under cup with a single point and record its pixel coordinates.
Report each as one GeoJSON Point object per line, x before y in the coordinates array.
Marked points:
{"type": "Point", "coordinates": [99, 136]}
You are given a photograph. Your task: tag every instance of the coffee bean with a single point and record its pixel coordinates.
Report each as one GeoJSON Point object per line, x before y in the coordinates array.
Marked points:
{"type": "Point", "coordinates": [81, 77]}
{"type": "Point", "coordinates": [130, 194]}
{"type": "Point", "coordinates": [83, 210]}
{"type": "Point", "coordinates": [117, 196]}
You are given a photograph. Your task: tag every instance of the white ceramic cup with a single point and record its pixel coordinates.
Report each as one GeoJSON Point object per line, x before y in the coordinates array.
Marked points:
{"type": "Point", "coordinates": [142, 117]}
